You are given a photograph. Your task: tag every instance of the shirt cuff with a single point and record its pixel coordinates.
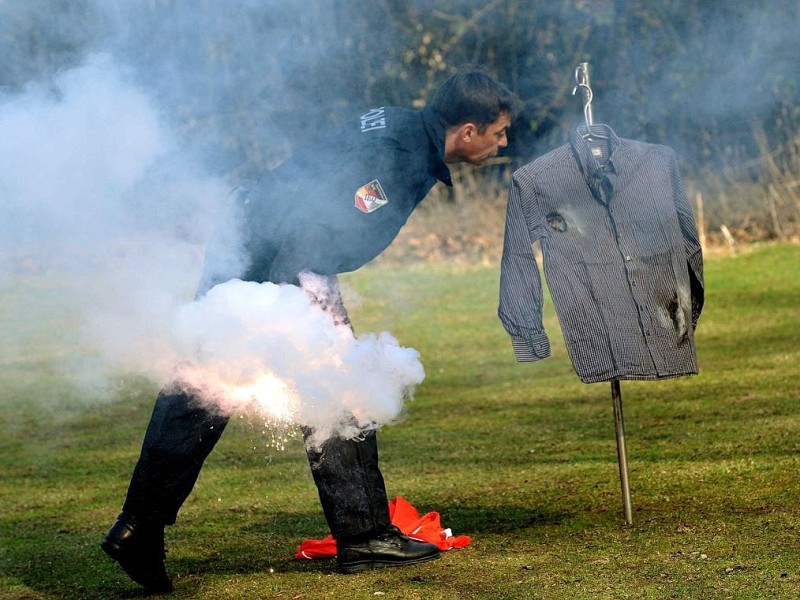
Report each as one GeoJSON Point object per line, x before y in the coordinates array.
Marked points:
{"type": "Point", "coordinates": [534, 346]}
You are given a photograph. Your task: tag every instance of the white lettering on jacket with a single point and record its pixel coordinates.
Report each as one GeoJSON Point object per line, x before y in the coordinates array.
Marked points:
{"type": "Point", "coordinates": [374, 119]}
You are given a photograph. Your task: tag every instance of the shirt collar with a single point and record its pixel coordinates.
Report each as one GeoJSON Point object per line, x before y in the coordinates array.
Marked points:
{"type": "Point", "coordinates": [435, 128]}
{"type": "Point", "coordinates": [600, 173]}
{"type": "Point", "coordinates": [583, 152]}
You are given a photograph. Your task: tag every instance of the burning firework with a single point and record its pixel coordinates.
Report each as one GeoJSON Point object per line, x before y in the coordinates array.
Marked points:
{"type": "Point", "coordinates": [268, 350]}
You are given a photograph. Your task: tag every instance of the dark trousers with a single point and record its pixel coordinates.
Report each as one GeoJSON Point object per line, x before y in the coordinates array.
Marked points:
{"type": "Point", "coordinates": [181, 434]}
{"type": "Point", "coordinates": [183, 430]}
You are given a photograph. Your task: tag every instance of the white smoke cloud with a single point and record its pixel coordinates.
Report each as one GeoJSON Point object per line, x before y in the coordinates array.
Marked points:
{"type": "Point", "coordinates": [99, 206]}
{"type": "Point", "coordinates": [265, 348]}
{"type": "Point", "coordinates": [99, 201]}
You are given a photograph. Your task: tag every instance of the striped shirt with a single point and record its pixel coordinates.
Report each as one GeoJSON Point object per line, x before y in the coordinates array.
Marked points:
{"type": "Point", "coordinates": [621, 258]}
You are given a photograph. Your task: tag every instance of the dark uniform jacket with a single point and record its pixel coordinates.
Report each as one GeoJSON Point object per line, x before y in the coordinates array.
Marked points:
{"type": "Point", "coordinates": [337, 204]}
{"type": "Point", "coordinates": [621, 257]}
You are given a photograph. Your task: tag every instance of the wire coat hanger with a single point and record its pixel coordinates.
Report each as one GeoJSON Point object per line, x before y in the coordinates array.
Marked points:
{"type": "Point", "coordinates": [582, 83]}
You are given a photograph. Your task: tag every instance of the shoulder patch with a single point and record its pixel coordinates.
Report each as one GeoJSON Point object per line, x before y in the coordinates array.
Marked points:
{"type": "Point", "coordinates": [370, 197]}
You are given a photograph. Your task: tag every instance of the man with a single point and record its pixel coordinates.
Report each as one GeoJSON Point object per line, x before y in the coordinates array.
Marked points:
{"type": "Point", "coordinates": [328, 209]}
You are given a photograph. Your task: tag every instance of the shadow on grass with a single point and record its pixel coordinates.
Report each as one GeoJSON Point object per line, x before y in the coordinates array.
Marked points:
{"type": "Point", "coordinates": [45, 560]}
{"type": "Point", "coordinates": [499, 520]}
{"type": "Point", "coordinates": [268, 548]}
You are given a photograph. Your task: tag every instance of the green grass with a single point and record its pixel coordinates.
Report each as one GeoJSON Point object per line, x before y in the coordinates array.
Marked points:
{"type": "Point", "coordinates": [521, 457]}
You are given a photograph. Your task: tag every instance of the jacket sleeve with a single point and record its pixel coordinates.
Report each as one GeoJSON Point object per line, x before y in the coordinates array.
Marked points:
{"type": "Point", "coordinates": [691, 242]}
{"type": "Point", "coordinates": [520, 308]}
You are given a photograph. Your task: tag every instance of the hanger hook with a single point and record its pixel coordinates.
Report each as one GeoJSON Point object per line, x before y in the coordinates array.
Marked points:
{"type": "Point", "coordinates": [581, 76]}
{"type": "Point", "coordinates": [582, 80]}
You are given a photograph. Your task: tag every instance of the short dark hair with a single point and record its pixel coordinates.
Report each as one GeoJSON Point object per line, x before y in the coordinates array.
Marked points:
{"type": "Point", "coordinates": [474, 96]}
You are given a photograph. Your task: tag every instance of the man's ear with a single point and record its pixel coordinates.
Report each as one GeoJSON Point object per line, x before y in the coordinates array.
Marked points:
{"type": "Point", "coordinates": [456, 139]}
{"type": "Point", "coordinates": [468, 130]}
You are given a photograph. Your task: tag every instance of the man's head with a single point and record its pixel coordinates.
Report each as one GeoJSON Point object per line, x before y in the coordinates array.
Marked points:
{"type": "Point", "coordinates": [477, 111]}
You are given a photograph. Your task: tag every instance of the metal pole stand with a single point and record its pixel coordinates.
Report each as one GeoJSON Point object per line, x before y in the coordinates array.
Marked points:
{"type": "Point", "coordinates": [622, 453]}
{"type": "Point", "coordinates": [582, 80]}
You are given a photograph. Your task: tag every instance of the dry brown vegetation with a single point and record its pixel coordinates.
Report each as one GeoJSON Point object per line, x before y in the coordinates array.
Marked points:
{"type": "Point", "coordinates": [465, 223]}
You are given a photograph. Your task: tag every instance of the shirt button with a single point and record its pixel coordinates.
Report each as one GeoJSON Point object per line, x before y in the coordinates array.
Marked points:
{"type": "Point", "coordinates": [628, 258]}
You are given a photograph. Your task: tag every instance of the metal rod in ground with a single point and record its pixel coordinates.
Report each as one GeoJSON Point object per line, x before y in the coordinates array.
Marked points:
{"type": "Point", "coordinates": [622, 453]}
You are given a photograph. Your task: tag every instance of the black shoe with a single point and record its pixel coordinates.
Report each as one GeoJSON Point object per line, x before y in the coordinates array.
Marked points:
{"type": "Point", "coordinates": [389, 549]}
{"type": "Point", "coordinates": [139, 550]}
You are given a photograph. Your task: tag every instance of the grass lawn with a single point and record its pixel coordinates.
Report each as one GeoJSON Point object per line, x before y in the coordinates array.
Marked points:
{"type": "Point", "coordinates": [521, 457]}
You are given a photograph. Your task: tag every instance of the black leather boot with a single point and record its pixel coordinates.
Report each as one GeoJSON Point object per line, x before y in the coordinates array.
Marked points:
{"type": "Point", "coordinates": [389, 549]}
{"type": "Point", "coordinates": [139, 549]}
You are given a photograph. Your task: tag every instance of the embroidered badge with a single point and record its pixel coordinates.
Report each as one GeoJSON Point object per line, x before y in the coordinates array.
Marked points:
{"type": "Point", "coordinates": [370, 197]}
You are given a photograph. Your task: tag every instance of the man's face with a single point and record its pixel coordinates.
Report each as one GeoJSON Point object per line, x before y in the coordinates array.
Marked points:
{"type": "Point", "coordinates": [473, 147]}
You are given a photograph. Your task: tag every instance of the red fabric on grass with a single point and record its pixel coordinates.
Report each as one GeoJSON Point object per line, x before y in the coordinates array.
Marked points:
{"type": "Point", "coordinates": [405, 517]}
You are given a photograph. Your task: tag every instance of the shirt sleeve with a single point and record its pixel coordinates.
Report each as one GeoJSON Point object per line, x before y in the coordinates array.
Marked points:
{"type": "Point", "coordinates": [520, 308]}
{"type": "Point", "coordinates": [691, 242]}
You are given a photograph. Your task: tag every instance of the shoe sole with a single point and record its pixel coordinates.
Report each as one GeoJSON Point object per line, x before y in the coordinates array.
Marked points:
{"type": "Point", "coordinates": [350, 568]}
